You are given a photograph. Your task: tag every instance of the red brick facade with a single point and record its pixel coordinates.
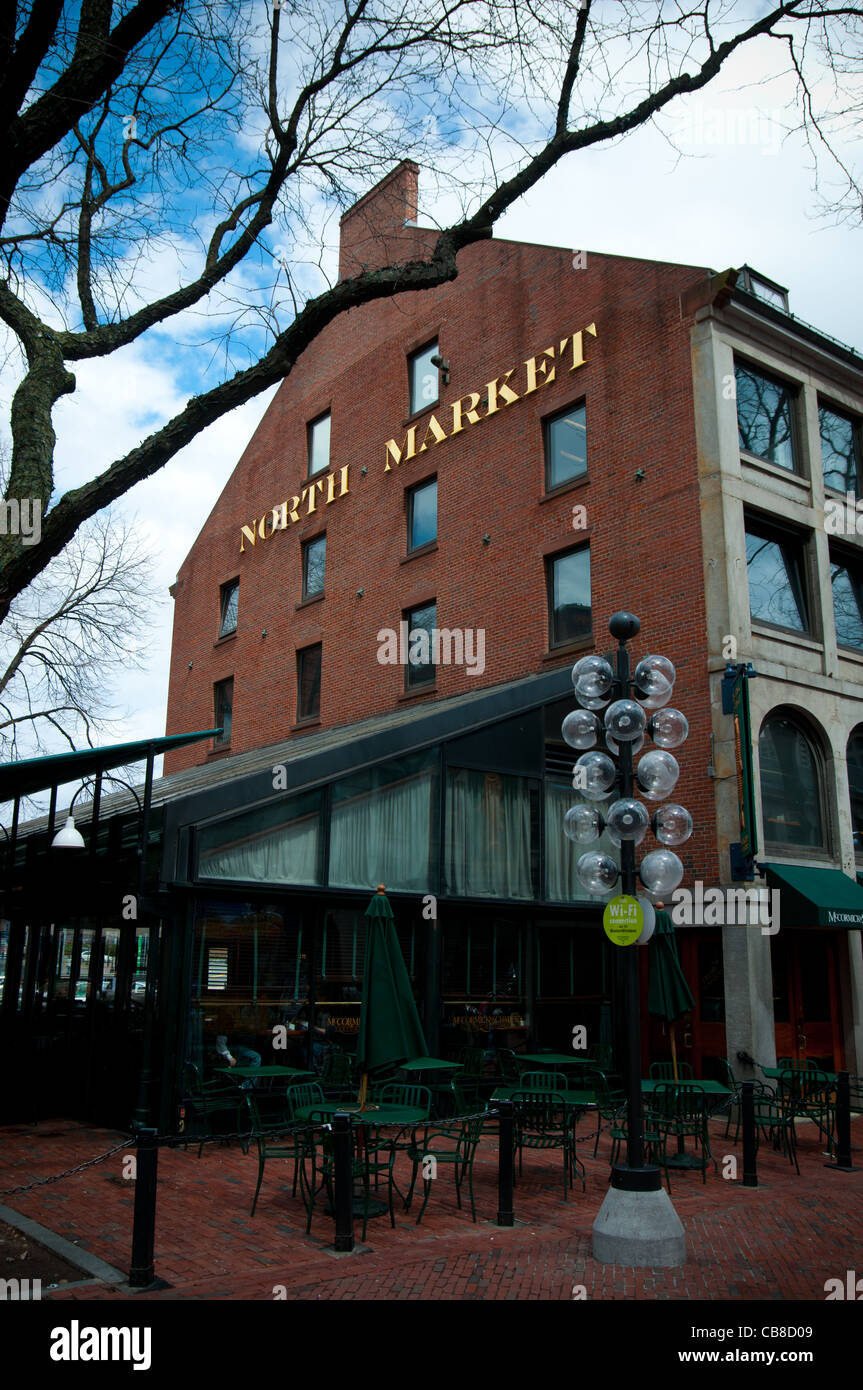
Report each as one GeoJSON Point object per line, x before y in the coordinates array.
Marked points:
{"type": "Point", "coordinates": [510, 303]}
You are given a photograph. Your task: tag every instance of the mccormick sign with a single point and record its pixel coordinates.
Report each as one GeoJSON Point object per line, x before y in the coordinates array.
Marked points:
{"type": "Point", "coordinates": [567, 355]}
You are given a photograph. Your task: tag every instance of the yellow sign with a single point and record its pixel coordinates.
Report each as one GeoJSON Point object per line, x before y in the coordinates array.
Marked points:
{"type": "Point", "coordinates": [623, 920]}
{"type": "Point", "coordinates": [277, 517]}
{"type": "Point", "coordinates": [539, 370]}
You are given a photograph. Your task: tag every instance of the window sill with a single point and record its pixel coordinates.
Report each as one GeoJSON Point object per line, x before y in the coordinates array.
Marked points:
{"type": "Point", "coordinates": [563, 488]}
{"type": "Point", "coordinates": [428, 549]}
{"type": "Point", "coordinates": [228, 637]}
{"type": "Point", "coordinates": [849, 653]}
{"type": "Point", "coordinates": [313, 598]}
{"type": "Point", "coordinates": [312, 722]}
{"type": "Point", "coordinates": [569, 649]}
{"type": "Point", "coordinates": [773, 470]}
{"type": "Point", "coordinates": [787, 634]}
{"type": "Point", "coordinates": [430, 689]}
{"type": "Point", "coordinates": [414, 419]}
{"type": "Point", "coordinates": [219, 752]}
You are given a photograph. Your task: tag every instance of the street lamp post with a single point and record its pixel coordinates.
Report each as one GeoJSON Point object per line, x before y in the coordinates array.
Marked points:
{"type": "Point", "coordinates": [637, 1224]}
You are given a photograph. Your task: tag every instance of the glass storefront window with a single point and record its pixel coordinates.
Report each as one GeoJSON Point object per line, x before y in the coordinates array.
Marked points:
{"type": "Point", "coordinates": [277, 843]}
{"type": "Point", "coordinates": [489, 840]}
{"type": "Point", "coordinates": [383, 826]}
{"type": "Point", "coordinates": [250, 976]}
{"type": "Point", "coordinates": [790, 786]}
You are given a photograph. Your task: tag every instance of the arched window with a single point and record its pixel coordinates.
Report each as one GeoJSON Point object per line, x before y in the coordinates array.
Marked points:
{"type": "Point", "coordinates": [854, 756]}
{"type": "Point", "coordinates": [792, 798]}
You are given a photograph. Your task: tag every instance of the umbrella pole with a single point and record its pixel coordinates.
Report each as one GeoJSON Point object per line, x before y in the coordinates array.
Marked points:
{"type": "Point", "coordinates": [673, 1053]}
{"type": "Point", "coordinates": [364, 1083]}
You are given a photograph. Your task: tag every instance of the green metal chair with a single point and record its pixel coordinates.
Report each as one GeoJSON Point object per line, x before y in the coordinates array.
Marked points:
{"type": "Point", "coordinates": [774, 1118]}
{"type": "Point", "coordinates": [337, 1076]}
{"type": "Point", "coordinates": [206, 1098]}
{"type": "Point", "coordinates": [543, 1081]}
{"type": "Point", "coordinates": [268, 1132]}
{"type": "Point", "coordinates": [318, 1153]}
{"type": "Point", "coordinates": [608, 1101]}
{"type": "Point", "coordinates": [761, 1091]}
{"type": "Point", "coordinates": [452, 1146]}
{"type": "Point", "coordinates": [809, 1092]}
{"type": "Point", "coordinates": [675, 1114]}
{"type": "Point", "coordinates": [542, 1123]}
{"type": "Point", "coordinates": [664, 1071]}
{"type": "Point", "coordinates": [507, 1066]}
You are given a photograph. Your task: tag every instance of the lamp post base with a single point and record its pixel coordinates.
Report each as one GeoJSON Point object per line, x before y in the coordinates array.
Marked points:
{"type": "Point", "coordinates": [636, 1224]}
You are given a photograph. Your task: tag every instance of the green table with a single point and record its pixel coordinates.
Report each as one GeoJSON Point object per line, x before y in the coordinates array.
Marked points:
{"type": "Point", "coordinates": [250, 1073]}
{"type": "Point", "coordinates": [710, 1088]}
{"type": "Point", "coordinates": [572, 1099]}
{"type": "Point", "coordinates": [421, 1064]}
{"type": "Point", "coordinates": [776, 1073]}
{"type": "Point", "coordinates": [403, 1115]}
{"type": "Point", "coordinates": [553, 1060]}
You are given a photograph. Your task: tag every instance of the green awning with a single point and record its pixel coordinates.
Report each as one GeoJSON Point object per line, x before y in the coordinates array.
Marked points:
{"type": "Point", "coordinates": [816, 897]}
{"type": "Point", "coordinates": [32, 775]}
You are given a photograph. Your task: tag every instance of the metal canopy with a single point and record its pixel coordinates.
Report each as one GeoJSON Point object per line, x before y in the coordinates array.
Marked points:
{"type": "Point", "coordinates": [56, 769]}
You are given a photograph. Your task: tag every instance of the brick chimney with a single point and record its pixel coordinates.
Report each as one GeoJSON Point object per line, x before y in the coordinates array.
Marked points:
{"type": "Point", "coordinates": [381, 228]}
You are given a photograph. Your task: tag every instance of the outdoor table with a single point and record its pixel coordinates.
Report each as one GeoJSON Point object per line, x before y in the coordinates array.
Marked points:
{"type": "Point", "coordinates": [250, 1073]}
{"type": "Point", "coordinates": [554, 1060]}
{"type": "Point", "coordinates": [572, 1099]}
{"type": "Point", "coordinates": [709, 1088]}
{"type": "Point", "coordinates": [776, 1073]}
{"type": "Point", "coordinates": [433, 1072]}
{"type": "Point", "coordinates": [406, 1116]}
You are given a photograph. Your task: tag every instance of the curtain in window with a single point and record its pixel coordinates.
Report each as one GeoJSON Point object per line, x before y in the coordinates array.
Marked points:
{"type": "Point", "coordinates": [488, 835]}
{"type": "Point", "coordinates": [382, 835]}
{"type": "Point", "coordinates": [285, 854]}
{"type": "Point", "coordinates": [562, 854]}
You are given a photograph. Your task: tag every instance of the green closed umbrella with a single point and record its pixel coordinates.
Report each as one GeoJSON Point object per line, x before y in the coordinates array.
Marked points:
{"type": "Point", "coordinates": [669, 996]}
{"type": "Point", "coordinates": [390, 1029]}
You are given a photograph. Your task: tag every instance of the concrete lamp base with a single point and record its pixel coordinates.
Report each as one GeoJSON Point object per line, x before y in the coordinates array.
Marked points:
{"type": "Point", "coordinates": [640, 1229]}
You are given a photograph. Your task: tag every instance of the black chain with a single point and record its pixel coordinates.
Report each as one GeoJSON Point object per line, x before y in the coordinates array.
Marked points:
{"type": "Point", "coordinates": [70, 1172]}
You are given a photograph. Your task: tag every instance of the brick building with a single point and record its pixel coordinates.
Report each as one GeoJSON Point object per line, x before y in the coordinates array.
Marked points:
{"type": "Point", "coordinates": [479, 476]}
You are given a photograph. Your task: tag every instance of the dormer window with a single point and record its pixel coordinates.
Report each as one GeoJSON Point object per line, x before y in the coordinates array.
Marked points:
{"type": "Point", "coordinates": [764, 289]}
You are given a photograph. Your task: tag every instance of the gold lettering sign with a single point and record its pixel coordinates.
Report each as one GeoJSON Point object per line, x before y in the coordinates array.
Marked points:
{"type": "Point", "coordinates": [279, 517]}
{"type": "Point", "coordinates": [544, 367]}
{"type": "Point", "coordinates": [538, 371]}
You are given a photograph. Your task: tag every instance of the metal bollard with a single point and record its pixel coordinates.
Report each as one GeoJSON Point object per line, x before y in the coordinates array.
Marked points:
{"type": "Point", "coordinates": [505, 1214]}
{"type": "Point", "coordinates": [747, 1119]}
{"type": "Point", "coordinates": [843, 1123]}
{"type": "Point", "coordinates": [142, 1270]}
{"type": "Point", "coordinates": [343, 1196]}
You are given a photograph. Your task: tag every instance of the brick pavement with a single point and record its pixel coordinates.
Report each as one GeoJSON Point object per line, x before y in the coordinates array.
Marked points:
{"type": "Point", "coordinates": [779, 1241]}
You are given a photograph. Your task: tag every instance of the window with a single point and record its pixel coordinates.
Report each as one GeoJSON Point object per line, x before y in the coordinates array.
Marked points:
{"type": "Point", "coordinates": [319, 445]}
{"type": "Point", "coordinates": [846, 578]}
{"type": "Point", "coordinates": [767, 290]}
{"type": "Point", "coordinates": [840, 450]}
{"type": "Point", "coordinates": [777, 589]}
{"type": "Point", "coordinates": [309, 683]}
{"type": "Point", "coordinates": [223, 704]}
{"type": "Point", "coordinates": [854, 756]}
{"type": "Point", "coordinates": [565, 447]}
{"type": "Point", "coordinates": [420, 669]}
{"type": "Point", "coordinates": [569, 616]}
{"type": "Point", "coordinates": [764, 416]}
{"type": "Point", "coordinates": [791, 794]}
{"type": "Point", "coordinates": [230, 598]}
{"type": "Point", "coordinates": [314, 561]}
{"type": "Point", "coordinates": [422, 515]}
{"type": "Point", "coordinates": [423, 378]}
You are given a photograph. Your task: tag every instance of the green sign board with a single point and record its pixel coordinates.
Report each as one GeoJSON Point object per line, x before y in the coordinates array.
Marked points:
{"type": "Point", "coordinates": [745, 783]}
{"type": "Point", "coordinates": [623, 920]}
